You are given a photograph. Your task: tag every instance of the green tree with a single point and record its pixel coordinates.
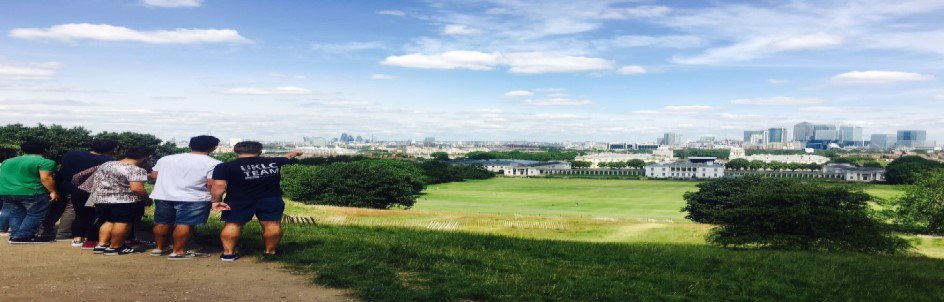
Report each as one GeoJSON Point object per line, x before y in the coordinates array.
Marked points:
{"type": "Point", "coordinates": [131, 139]}
{"type": "Point", "coordinates": [757, 165]}
{"type": "Point", "coordinates": [789, 214]}
{"type": "Point", "coordinates": [636, 163]}
{"type": "Point", "coordinates": [225, 157]}
{"type": "Point", "coordinates": [375, 183]}
{"type": "Point", "coordinates": [776, 165]}
{"type": "Point", "coordinates": [580, 164]}
{"type": "Point", "coordinates": [923, 204]}
{"type": "Point", "coordinates": [439, 155]}
{"type": "Point", "coordinates": [60, 138]}
{"type": "Point", "coordinates": [909, 169]}
{"type": "Point", "coordinates": [738, 164]}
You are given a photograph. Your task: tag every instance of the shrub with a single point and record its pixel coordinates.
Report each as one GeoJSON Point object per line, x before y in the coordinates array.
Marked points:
{"type": "Point", "coordinates": [908, 169]}
{"type": "Point", "coordinates": [438, 172]}
{"type": "Point", "coordinates": [788, 214]}
{"type": "Point", "coordinates": [923, 204]}
{"type": "Point", "coordinates": [375, 183]}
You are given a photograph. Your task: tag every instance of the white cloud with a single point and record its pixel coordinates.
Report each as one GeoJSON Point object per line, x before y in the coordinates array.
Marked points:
{"type": "Point", "coordinates": [381, 76]}
{"type": "Point", "coordinates": [172, 3]}
{"type": "Point", "coordinates": [349, 46]}
{"type": "Point", "coordinates": [282, 90]}
{"type": "Point", "coordinates": [631, 41]}
{"type": "Point", "coordinates": [779, 101]}
{"type": "Point", "coordinates": [460, 59]}
{"type": "Point", "coordinates": [516, 93]}
{"type": "Point", "coordinates": [879, 77]}
{"type": "Point", "coordinates": [635, 12]}
{"type": "Point", "coordinates": [813, 41]}
{"type": "Point", "coordinates": [647, 112]}
{"type": "Point", "coordinates": [36, 71]}
{"type": "Point", "coordinates": [761, 47]}
{"type": "Point", "coordinates": [939, 97]}
{"type": "Point", "coordinates": [688, 108]}
{"type": "Point", "coordinates": [392, 12]}
{"type": "Point", "coordinates": [632, 69]}
{"type": "Point", "coordinates": [459, 29]}
{"type": "Point", "coordinates": [105, 32]}
{"type": "Point", "coordinates": [539, 62]}
{"type": "Point", "coordinates": [558, 102]}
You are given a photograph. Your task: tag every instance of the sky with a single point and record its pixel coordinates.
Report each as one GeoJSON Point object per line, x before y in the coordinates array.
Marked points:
{"type": "Point", "coordinates": [602, 70]}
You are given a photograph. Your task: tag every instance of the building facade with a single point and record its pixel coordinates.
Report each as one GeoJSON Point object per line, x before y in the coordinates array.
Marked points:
{"type": "Point", "coordinates": [912, 138]}
{"type": "Point", "coordinates": [685, 170]}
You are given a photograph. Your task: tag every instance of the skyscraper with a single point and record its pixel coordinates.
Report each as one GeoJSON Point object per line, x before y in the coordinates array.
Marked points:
{"type": "Point", "coordinates": [882, 141]}
{"type": "Point", "coordinates": [776, 135]}
{"type": "Point", "coordinates": [912, 138]}
{"type": "Point", "coordinates": [803, 132]}
{"type": "Point", "coordinates": [749, 135]}
{"type": "Point", "coordinates": [671, 139]}
{"type": "Point", "coordinates": [851, 135]}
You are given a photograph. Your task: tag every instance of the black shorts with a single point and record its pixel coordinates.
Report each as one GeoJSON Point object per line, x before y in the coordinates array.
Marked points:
{"type": "Point", "coordinates": [120, 212]}
{"type": "Point", "coordinates": [265, 209]}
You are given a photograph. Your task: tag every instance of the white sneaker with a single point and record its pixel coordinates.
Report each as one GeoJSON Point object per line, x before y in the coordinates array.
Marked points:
{"type": "Point", "coordinates": [184, 256]}
{"type": "Point", "coordinates": [77, 243]}
{"type": "Point", "coordinates": [157, 252]}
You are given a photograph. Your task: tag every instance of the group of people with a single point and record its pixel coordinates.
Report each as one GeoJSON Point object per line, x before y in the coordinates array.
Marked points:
{"type": "Point", "coordinates": [96, 198]}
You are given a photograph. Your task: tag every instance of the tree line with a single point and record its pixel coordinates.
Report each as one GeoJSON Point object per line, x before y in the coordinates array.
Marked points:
{"type": "Point", "coordinates": [64, 139]}
{"type": "Point", "coordinates": [552, 154]}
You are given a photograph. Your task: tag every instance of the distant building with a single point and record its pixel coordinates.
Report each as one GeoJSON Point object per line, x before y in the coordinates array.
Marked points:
{"type": "Point", "coordinates": [686, 170]}
{"type": "Point", "coordinates": [826, 135]}
{"type": "Point", "coordinates": [803, 132]}
{"type": "Point", "coordinates": [849, 172]}
{"type": "Point", "coordinates": [912, 138]}
{"type": "Point", "coordinates": [776, 135]}
{"type": "Point", "coordinates": [851, 136]}
{"type": "Point", "coordinates": [234, 141]}
{"type": "Point", "coordinates": [317, 142]}
{"type": "Point", "coordinates": [671, 139]}
{"type": "Point", "coordinates": [753, 137]}
{"type": "Point", "coordinates": [429, 140]}
{"type": "Point", "coordinates": [767, 158]}
{"type": "Point", "coordinates": [882, 141]}
{"type": "Point", "coordinates": [518, 168]}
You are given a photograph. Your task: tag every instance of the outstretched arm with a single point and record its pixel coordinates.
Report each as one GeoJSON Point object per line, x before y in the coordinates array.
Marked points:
{"type": "Point", "coordinates": [293, 154]}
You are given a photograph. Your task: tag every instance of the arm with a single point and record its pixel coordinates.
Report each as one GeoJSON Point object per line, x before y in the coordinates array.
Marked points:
{"type": "Point", "coordinates": [50, 184]}
{"type": "Point", "coordinates": [137, 187]}
{"type": "Point", "coordinates": [217, 190]}
{"type": "Point", "coordinates": [293, 154]}
{"type": "Point", "coordinates": [153, 175]}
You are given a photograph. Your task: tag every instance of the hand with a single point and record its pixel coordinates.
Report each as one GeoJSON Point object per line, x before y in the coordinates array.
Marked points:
{"type": "Point", "coordinates": [53, 196]}
{"type": "Point", "coordinates": [293, 154]}
{"type": "Point", "coordinates": [221, 206]}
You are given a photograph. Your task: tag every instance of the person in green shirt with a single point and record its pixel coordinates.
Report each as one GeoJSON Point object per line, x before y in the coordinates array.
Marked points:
{"type": "Point", "coordinates": [26, 190]}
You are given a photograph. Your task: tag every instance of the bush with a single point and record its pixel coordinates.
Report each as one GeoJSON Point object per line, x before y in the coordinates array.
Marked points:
{"type": "Point", "coordinates": [438, 172]}
{"type": "Point", "coordinates": [923, 204]}
{"type": "Point", "coordinates": [908, 169]}
{"type": "Point", "coordinates": [376, 183]}
{"type": "Point", "coordinates": [789, 214]}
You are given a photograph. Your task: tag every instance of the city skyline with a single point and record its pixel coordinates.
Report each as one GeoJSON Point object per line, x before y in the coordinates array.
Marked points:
{"type": "Point", "coordinates": [606, 71]}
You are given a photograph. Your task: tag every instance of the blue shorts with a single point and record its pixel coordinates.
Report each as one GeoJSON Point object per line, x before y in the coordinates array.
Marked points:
{"type": "Point", "coordinates": [181, 212]}
{"type": "Point", "coordinates": [265, 209]}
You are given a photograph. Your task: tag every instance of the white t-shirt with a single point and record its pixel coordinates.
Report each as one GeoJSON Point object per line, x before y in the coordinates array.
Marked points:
{"type": "Point", "coordinates": [183, 177]}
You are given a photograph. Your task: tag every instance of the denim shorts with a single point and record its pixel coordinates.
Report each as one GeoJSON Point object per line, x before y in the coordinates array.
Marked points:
{"type": "Point", "coordinates": [265, 209]}
{"type": "Point", "coordinates": [181, 212]}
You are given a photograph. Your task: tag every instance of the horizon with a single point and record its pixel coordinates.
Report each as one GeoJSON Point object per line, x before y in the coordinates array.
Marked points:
{"type": "Point", "coordinates": [501, 70]}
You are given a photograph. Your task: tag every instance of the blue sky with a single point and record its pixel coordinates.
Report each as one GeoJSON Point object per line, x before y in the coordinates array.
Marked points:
{"type": "Point", "coordinates": [472, 70]}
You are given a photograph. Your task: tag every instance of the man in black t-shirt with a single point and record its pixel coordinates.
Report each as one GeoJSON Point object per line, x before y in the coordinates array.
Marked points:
{"type": "Point", "coordinates": [75, 219]}
{"type": "Point", "coordinates": [252, 187]}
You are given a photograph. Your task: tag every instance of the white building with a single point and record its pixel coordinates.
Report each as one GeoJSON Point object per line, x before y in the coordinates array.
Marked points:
{"type": "Point", "coordinates": [663, 154]}
{"type": "Point", "coordinates": [518, 168]}
{"type": "Point", "coordinates": [685, 170]}
{"type": "Point", "coordinates": [857, 174]}
{"type": "Point", "coordinates": [767, 158]}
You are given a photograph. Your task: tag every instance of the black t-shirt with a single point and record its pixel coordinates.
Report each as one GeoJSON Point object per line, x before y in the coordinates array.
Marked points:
{"type": "Point", "coordinates": [251, 178]}
{"type": "Point", "coordinates": [74, 162]}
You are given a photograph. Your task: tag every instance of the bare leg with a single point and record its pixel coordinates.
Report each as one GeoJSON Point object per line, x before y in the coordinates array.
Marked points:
{"type": "Point", "coordinates": [181, 236]}
{"type": "Point", "coordinates": [119, 232]}
{"type": "Point", "coordinates": [230, 236]}
{"type": "Point", "coordinates": [104, 233]}
{"type": "Point", "coordinates": [161, 234]}
{"type": "Point", "coordinates": [272, 234]}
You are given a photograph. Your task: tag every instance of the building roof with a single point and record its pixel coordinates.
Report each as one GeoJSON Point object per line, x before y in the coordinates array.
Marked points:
{"type": "Point", "coordinates": [686, 165]}
{"type": "Point", "coordinates": [506, 162]}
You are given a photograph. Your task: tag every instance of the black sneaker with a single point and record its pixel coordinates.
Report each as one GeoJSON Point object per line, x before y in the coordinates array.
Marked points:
{"type": "Point", "coordinates": [124, 250]}
{"type": "Point", "coordinates": [269, 257]}
{"type": "Point", "coordinates": [229, 258]}
{"type": "Point", "coordinates": [30, 240]}
{"type": "Point", "coordinates": [99, 249]}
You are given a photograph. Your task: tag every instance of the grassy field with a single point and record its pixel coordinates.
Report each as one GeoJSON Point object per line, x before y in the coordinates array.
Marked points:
{"type": "Point", "coordinates": [577, 240]}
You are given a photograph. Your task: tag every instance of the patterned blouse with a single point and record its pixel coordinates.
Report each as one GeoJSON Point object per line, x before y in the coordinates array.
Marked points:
{"type": "Point", "coordinates": [111, 183]}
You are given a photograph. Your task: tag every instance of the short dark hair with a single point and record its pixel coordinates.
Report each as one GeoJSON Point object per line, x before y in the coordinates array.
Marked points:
{"type": "Point", "coordinates": [7, 153]}
{"type": "Point", "coordinates": [103, 146]}
{"type": "Point", "coordinates": [138, 153]}
{"type": "Point", "coordinates": [34, 147]}
{"type": "Point", "coordinates": [248, 147]}
{"type": "Point", "coordinates": [204, 143]}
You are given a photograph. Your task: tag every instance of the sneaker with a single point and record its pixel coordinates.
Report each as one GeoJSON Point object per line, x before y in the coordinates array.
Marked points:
{"type": "Point", "coordinates": [269, 256]}
{"type": "Point", "coordinates": [184, 256]}
{"type": "Point", "coordinates": [157, 252]}
{"type": "Point", "coordinates": [229, 258]}
{"type": "Point", "coordinates": [77, 243]}
{"type": "Point", "coordinates": [139, 242]}
{"type": "Point", "coordinates": [31, 240]}
{"type": "Point", "coordinates": [124, 250]}
{"type": "Point", "coordinates": [88, 245]}
{"type": "Point", "coordinates": [99, 249]}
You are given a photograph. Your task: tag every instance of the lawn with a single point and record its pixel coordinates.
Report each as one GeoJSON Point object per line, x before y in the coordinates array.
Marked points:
{"type": "Point", "coordinates": [576, 240]}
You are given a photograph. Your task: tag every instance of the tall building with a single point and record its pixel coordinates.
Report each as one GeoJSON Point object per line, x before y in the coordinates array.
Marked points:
{"type": "Point", "coordinates": [882, 141]}
{"type": "Point", "coordinates": [776, 135]}
{"type": "Point", "coordinates": [751, 135]}
{"type": "Point", "coordinates": [912, 138]}
{"type": "Point", "coordinates": [803, 132]}
{"type": "Point", "coordinates": [826, 135]}
{"type": "Point", "coordinates": [851, 135]}
{"type": "Point", "coordinates": [671, 139]}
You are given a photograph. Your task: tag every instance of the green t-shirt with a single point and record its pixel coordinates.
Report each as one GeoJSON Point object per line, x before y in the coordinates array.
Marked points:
{"type": "Point", "coordinates": [20, 175]}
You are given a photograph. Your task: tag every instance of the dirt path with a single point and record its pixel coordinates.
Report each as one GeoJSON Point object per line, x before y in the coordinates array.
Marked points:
{"type": "Point", "coordinates": [58, 272]}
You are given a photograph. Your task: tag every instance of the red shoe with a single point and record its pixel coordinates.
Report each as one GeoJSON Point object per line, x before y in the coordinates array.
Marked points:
{"type": "Point", "coordinates": [88, 245]}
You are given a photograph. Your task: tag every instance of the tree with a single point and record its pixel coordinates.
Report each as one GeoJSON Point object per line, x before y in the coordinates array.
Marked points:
{"type": "Point", "coordinates": [636, 163]}
{"type": "Point", "coordinates": [225, 157]}
{"type": "Point", "coordinates": [131, 139]}
{"type": "Point", "coordinates": [923, 204]}
{"type": "Point", "coordinates": [374, 183]}
{"type": "Point", "coordinates": [580, 164]}
{"type": "Point", "coordinates": [439, 155]}
{"type": "Point", "coordinates": [909, 169]}
{"type": "Point", "coordinates": [757, 165]}
{"type": "Point", "coordinates": [738, 164]}
{"type": "Point", "coordinates": [776, 165]}
{"type": "Point", "coordinates": [789, 214]}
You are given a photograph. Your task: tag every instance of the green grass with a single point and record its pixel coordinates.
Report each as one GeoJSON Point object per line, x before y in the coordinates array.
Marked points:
{"type": "Point", "coordinates": [576, 240]}
{"type": "Point", "coordinates": [399, 264]}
